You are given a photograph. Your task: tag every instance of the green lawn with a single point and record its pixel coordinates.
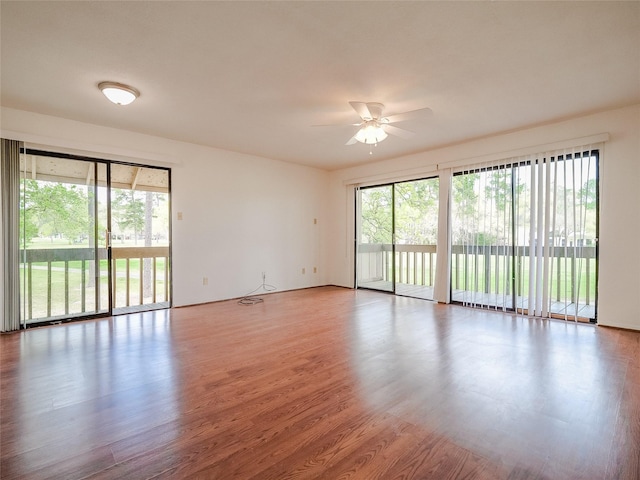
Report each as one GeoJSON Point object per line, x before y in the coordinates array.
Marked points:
{"type": "Point", "coordinates": [472, 277]}
{"type": "Point", "coordinates": [42, 301]}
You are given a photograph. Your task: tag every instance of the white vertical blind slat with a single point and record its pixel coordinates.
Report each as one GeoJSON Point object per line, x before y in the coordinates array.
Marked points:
{"type": "Point", "coordinates": [545, 238]}
{"type": "Point", "coordinates": [574, 299]}
{"type": "Point", "coordinates": [566, 240]}
{"type": "Point", "coordinates": [552, 239]}
{"type": "Point", "coordinates": [533, 205]}
{"type": "Point", "coordinates": [539, 238]}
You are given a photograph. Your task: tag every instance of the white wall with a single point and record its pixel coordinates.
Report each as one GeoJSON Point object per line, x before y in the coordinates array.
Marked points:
{"type": "Point", "coordinates": [242, 215]}
{"type": "Point", "coordinates": [619, 275]}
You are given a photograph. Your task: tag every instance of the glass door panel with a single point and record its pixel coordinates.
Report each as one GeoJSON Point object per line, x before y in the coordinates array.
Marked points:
{"type": "Point", "coordinates": [140, 238]}
{"type": "Point", "coordinates": [416, 232]}
{"type": "Point", "coordinates": [482, 235]}
{"type": "Point", "coordinates": [59, 222]}
{"type": "Point", "coordinates": [102, 243]}
{"type": "Point", "coordinates": [374, 264]}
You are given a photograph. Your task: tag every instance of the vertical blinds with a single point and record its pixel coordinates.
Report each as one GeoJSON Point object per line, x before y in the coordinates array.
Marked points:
{"type": "Point", "coordinates": [9, 203]}
{"type": "Point", "coordinates": [524, 234]}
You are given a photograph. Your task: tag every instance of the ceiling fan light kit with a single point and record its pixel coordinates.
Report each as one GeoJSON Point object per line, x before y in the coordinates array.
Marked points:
{"type": "Point", "coordinates": [374, 128]}
{"type": "Point", "coordinates": [371, 133]}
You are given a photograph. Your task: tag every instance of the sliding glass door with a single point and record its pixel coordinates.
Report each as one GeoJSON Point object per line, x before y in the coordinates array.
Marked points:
{"type": "Point", "coordinates": [397, 232]}
{"type": "Point", "coordinates": [524, 236]}
{"type": "Point", "coordinates": [94, 238]}
{"type": "Point", "coordinates": [64, 259]}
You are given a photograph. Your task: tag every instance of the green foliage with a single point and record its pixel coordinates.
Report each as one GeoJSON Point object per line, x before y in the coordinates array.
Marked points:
{"type": "Point", "coordinates": [465, 202]}
{"type": "Point", "coordinates": [66, 211]}
{"type": "Point", "coordinates": [28, 226]}
{"type": "Point", "coordinates": [587, 194]}
{"type": "Point", "coordinates": [464, 193]}
{"type": "Point", "coordinates": [136, 212]}
{"type": "Point", "coordinates": [376, 224]}
{"type": "Point", "coordinates": [53, 209]}
{"type": "Point", "coordinates": [498, 187]}
{"type": "Point", "coordinates": [416, 213]}
{"type": "Point", "coordinates": [483, 238]}
{"type": "Point", "coordinates": [128, 210]}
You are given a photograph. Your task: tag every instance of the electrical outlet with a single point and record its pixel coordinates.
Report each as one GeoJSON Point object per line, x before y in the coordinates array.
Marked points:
{"type": "Point", "coordinates": [303, 271]}
{"type": "Point", "coordinates": [315, 270]}
{"type": "Point", "coordinates": [205, 281]}
{"type": "Point", "coordinates": [179, 215]}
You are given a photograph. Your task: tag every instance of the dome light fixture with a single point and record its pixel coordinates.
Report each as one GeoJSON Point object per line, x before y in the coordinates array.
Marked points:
{"type": "Point", "coordinates": [119, 93]}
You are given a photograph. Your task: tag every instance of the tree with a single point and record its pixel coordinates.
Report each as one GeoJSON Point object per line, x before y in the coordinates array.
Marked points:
{"type": "Point", "coordinates": [464, 192]}
{"type": "Point", "coordinates": [498, 188]}
{"type": "Point", "coordinates": [129, 211]}
{"type": "Point", "coordinates": [28, 224]}
{"type": "Point", "coordinates": [587, 194]}
{"type": "Point", "coordinates": [416, 211]}
{"type": "Point", "coordinates": [465, 201]}
{"type": "Point", "coordinates": [56, 209]}
{"type": "Point", "coordinates": [376, 215]}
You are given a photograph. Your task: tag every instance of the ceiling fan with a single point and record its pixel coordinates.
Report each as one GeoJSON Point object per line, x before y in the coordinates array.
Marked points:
{"type": "Point", "coordinates": [375, 127]}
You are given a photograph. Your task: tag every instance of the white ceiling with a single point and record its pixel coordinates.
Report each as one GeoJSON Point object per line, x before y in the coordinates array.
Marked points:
{"type": "Point", "coordinates": [254, 77]}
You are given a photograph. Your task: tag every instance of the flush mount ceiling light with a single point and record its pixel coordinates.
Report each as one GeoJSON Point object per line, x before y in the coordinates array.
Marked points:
{"type": "Point", "coordinates": [118, 93]}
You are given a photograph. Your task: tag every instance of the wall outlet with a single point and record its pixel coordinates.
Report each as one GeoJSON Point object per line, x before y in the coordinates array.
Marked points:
{"type": "Point", "coordinates": [304, 270]}
{"type": "Point", "coordinates": [179, 215]}
{"type": "Point", "coordinates": [315, 270]}
{"type": "Point", "coordinates": [205, 281]}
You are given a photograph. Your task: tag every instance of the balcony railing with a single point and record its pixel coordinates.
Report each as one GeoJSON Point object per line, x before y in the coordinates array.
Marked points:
{"type": "Point", "coordinates": [485, 272]}
{"type": "Point", "coordinates": [159, 276]}
{"type": "Point", "coordinates": [60, 283]}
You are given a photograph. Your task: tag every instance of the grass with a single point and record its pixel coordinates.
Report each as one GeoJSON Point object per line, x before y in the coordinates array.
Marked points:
{"type": "Point", "coordinates": [63, 297]}
{"type": "Point", "coordinates": [45, 303]}
{"type": "Point", "coordinates": [560, 289]}
{"type": "Point", "coordinates": [476, 278]}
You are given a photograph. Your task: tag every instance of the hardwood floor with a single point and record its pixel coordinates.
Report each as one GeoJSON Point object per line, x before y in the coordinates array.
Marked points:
{"type": "Point", "coordinates": [321, 383]}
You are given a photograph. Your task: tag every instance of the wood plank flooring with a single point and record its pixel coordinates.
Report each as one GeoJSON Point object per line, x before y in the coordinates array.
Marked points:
{"type": "Point", "coordinates": [323, 383]}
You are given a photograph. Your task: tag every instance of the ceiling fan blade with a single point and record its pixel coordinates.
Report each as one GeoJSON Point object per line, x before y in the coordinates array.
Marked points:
{"type": "Point", "coordinates": [410, 115]}
{"type": "Point", "coordinates": [339, 125]}
{"type": "Point", "coordinates": [375, 110]}
{"type": "Point", "coordinates": [352, 140]}
{"type": "Point", "coordinates": [398, 132]}
{"type": "Point", "coordinates": [362, 110]}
